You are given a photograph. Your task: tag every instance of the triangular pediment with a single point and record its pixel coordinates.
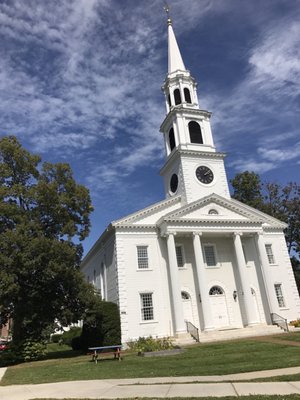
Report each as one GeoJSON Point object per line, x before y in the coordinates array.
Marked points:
{"type": "Point", "coordinates": [151, 214]}
{"type": "Point", "coordinates": [215, 208]}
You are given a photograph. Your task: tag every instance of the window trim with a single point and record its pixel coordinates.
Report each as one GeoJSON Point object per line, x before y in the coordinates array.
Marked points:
{"type": "Point", "coordinates": [270, 245]}
{"type": "Point", "coordinates": [182, 255]}
{"type": "Point", "coordinates": [146, 321]}
{"type": "Point", "coordinates": [284, 307]}
{"type": "Point", "coordinates": [137, 259]}
{"type": "Point", "coordinates": [217, 265]}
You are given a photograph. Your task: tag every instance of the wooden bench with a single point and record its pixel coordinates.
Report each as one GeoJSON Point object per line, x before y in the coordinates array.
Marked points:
{"type": "Point", "coordinates": [100, 351]}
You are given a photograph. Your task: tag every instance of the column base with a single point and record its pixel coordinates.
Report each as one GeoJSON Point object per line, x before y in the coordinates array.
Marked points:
{"type": "Point", "coordinates": [255, 323]}
{"type": "Point", "coordinates": [209, 329]}
{"type": "Point", "coordinates": [180, 334]}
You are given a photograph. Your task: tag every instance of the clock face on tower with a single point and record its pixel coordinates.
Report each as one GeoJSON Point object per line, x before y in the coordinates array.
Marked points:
{"type": "Point", "coordinates": [204, 174]}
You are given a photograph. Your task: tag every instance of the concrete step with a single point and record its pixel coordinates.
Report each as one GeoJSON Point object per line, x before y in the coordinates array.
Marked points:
{"type": "Point", "coordinates": [231, 334]}
{"type": "Point", "coordinates": [186, 339]}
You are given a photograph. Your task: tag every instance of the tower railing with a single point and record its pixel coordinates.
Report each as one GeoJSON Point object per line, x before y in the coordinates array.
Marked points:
{"type": "Point", "coordinates": [279, 321]}
{"type": "Point", "coordinates": [192, 330]}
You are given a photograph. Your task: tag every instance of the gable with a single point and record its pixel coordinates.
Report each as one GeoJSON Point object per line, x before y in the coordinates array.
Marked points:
{"type": "Point", "coordinates": [227, 210]}
{"type": "Point", "coordinates": [207, 210]}
{"type": "Point", "coordinates": [150, 215]}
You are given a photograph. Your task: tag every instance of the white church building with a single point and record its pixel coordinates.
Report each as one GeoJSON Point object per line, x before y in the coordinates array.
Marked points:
{"type": "Point", "coordinates": [198, 259]}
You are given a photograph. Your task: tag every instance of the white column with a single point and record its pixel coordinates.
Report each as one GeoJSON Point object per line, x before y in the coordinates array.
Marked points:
{"type": "Point", "coordinates": [176, 301]}
{"type": "Point", "coordinates": [247, 295]}
{"type": "Point", "coordinates": [265, 266]}
{"type": "Point", "coordinates": [204, 290]}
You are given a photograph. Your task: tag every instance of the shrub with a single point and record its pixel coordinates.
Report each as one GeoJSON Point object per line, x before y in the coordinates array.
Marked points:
{"type": "Point", "coordinates": [56, 338]}
{"type": "Point", "coordinates": [76, 343]}
{"type": "Point", "coordinates": [67, 336]}
{"type": "Point", "coordinates": [25, 351]}
{"type": "Point", "coordinates": [295, 323]}
{"type": "Point", "coordinates": [145, 344]}
{"type": "Point", "coordinates": [102, 326]}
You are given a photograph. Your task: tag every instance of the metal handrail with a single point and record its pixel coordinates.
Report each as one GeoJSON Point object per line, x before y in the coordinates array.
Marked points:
{"type": "Point", "coordinates": [279, 321]}
{"type": "Point", "coordinates": [192, 330]}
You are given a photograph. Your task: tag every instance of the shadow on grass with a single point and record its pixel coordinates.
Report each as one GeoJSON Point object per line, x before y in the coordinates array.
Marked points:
{"type": "Point", "coordinates": [63, 354]}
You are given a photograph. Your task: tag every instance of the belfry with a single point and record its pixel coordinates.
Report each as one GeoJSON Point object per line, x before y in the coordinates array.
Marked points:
{"type": "Point", "coordinates": [198, 265]}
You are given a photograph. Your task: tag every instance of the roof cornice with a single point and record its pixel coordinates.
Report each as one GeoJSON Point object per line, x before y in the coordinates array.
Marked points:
{"type": "Point", "coordinates": [179, 151]}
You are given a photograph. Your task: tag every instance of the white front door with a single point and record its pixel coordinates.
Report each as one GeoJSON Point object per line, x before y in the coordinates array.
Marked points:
{"type": "Point", "coordinates": [219, 307]}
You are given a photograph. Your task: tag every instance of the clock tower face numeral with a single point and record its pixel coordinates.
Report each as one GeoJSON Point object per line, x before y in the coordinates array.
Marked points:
{"type": "Point", "coordinates": [174, 183]}
{"type": "Point", "coordinates": [204, 174]}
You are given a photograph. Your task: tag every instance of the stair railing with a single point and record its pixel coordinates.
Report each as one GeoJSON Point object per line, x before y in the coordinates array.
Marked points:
{"type": "Point", "coordinates": [192, 330]}
{"type": "Point", "coordinates": [279, 321]}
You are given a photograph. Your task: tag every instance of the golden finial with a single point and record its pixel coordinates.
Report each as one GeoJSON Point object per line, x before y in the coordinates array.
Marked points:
{"type": "Point", "coordinates": [167, 10]}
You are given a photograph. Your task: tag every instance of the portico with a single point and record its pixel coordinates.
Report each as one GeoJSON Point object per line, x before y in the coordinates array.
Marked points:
{"type": "Point", "coordinates": [236, 277]}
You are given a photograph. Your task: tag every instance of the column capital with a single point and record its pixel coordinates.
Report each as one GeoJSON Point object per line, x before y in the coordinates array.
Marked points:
{"type": "Point", "coordinates": [237, 234]}
{"type": "Point", "coordinates": [197, 233]}
{"type": "Point", "coordinates": [167, 234]}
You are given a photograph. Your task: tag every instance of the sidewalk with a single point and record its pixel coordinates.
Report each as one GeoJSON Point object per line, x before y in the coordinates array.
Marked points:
{"type": "Point", "coordinates": [165, 387]}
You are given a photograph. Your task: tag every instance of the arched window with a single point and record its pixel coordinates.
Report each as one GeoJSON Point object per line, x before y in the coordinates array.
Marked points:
{"type": "Point", "coordinates": [172, 139]}
{"type": "Point", "coordinates": [215, 291]}
{"type": "Point", "coordinates": [195, 132]}
{"type": "Point", "coordinates": [185, 296]}
{"type": "Point", "coordinates": [169, 100]}
{"type": "Point", "coordinates": [213, 212]}
{"type": "Point", "coordinates": [177, 97]}
{"type": "Point", "coordinates": [187, 95]}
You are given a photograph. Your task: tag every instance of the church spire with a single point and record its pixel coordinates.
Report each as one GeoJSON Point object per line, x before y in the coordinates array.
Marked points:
{"type": "Point", "coordinates": [175, 61]}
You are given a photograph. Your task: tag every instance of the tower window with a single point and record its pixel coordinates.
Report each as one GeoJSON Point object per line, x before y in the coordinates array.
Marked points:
{"type": "Point", "coordinates": [172, 139]}
{"type": "Point", "coordinates": [169, 100]}
{"type": "Point", "coordinates": [187, 95]}
{"type": "Point", "coordinates": [177, 97]}
{"type": "Point", "coordinates": [195, 132]}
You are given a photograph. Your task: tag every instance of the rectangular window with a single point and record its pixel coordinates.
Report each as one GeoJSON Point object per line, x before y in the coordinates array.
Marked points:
{"type": "Point", "coordinates": [210, 256]}
{"type": "Point", "coordinates": [279, 295]}
{"type": "Point", "coordinates": [147, 307]}
{"type": "Point", "coordinates": [270, 254]}
{"type": "Point", "coordinates": [179, 256]}
{"type": "Point", "coordinates": [142, 256]}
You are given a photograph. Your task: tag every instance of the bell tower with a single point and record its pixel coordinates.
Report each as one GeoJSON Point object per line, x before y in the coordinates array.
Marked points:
{"type": "Point", "coordinates": [193, 168]}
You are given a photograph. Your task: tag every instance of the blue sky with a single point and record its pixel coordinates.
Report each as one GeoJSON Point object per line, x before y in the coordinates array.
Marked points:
{"type": "Point", "coordinates": [80, 83]}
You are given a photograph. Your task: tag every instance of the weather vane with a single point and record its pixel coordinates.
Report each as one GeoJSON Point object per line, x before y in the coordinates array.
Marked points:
{"type": "Point", "coordinates": [167, 10]}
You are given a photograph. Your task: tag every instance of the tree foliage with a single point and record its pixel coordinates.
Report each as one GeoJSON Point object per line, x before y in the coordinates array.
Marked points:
{"type": "Point", "coordinates": [44, 215]}
{"type": "Point", "coordinates": [101, 326]}
{"type": "Point", "coordinates": [281, 202]}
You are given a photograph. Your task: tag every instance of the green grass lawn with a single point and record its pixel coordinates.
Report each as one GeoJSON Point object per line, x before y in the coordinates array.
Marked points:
{"type": "Point", "coordinates": [203, 359]}
{"type": "Point", "coordinates": [293, 336]}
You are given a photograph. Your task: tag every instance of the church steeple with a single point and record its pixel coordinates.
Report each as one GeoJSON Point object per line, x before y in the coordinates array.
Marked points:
{"type": "Point", "coordinates": [175, 62]}
{"type": "Point", "coordinates": [193, 167]}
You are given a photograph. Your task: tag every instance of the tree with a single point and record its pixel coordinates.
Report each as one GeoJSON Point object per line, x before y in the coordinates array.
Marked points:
{"type": "Point", "coordinates": [44, 215]}
{"type": "Point", "coordinates": [247, 188]}
{"type": "Point", "coordinates": [281, 202]}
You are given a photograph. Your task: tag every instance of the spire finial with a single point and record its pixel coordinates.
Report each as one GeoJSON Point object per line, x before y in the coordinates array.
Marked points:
{"type": "Point", "coordinates": [167, 10]}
